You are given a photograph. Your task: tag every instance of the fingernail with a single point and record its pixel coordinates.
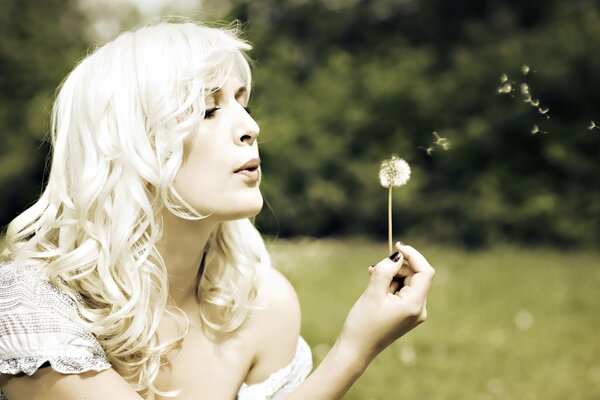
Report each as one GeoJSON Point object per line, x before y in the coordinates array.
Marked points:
{"type": "Point", "coordinates": [395, 257]}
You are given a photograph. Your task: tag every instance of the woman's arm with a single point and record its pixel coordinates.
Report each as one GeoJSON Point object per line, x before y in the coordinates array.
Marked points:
{"type": "Point", "coordinates": [47, 384]}
{"type": "Point", "coordinates": [377, 319]}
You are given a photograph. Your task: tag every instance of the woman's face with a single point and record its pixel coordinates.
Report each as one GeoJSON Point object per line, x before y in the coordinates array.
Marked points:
{"type": "Point", "coordinates": [219, 174]}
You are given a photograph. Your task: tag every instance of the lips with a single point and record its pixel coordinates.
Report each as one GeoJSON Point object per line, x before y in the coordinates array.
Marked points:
{"type": "Point", "coordinates": [250, 166]}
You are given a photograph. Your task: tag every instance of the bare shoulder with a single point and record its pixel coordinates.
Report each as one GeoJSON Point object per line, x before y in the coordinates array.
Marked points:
{"type": "Point", "coordinates": [275, 326]}
{"type": "Point", "coordinates": [278, 294]}
{"type": "Point", "coordinates": [47, 384]}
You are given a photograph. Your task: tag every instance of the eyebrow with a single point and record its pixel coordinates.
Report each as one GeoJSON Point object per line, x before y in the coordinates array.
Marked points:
{"type": "Point", "coordinates": [242, 91]}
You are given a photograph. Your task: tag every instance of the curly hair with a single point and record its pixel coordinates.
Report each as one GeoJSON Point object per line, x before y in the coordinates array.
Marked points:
{"type": "Point", "coordinates": [119, 123]}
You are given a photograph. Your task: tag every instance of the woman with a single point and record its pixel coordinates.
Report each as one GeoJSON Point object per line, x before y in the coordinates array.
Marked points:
{"type": "Point", "coordinates": [138, 272]}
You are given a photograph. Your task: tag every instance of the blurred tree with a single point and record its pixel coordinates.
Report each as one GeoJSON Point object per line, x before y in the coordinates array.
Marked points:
{"type": "Point", "coordinates": [339, 85]}
{"type": "Point", "coordinates": [39, 43]}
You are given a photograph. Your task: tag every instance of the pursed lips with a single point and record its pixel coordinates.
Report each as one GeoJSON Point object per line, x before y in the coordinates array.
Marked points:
{"type": "Point", "coordinates": [250, 170]}
{"type": "Point", "coordinates": [251, 165]}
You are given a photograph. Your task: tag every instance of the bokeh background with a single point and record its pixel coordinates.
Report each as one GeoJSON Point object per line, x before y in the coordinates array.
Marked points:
{"type": "Point", "coordinates": [509, 214]}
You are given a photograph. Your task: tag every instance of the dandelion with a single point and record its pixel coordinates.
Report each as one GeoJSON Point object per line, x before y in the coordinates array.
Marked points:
{"type": "Point", "coordinates": [525, 69]}
{"type": "Point", "coordinates": [441, 141]}
{"type": "Point", "coordinates": [394, 172]}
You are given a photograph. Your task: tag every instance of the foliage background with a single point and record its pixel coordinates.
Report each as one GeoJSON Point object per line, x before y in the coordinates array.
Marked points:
{"type": "Point", "coordinates": [340, 85]}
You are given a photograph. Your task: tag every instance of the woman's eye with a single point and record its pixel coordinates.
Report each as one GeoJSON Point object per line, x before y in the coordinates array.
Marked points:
{"type": "Point", "coordinates": [210, 112]}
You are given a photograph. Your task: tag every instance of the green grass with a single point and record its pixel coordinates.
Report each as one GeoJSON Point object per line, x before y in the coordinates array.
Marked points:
{"type": "Point", "coordinates": [506, 323]}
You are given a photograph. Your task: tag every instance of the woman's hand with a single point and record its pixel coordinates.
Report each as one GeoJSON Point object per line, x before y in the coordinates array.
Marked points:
{"type": "Point", "coordinates": [383, 313]}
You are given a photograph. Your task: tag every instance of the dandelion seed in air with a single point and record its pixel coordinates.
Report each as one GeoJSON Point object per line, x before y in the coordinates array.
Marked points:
{"type": "Point", "coordinates": [535, 130]}
{"type": "Point", "coordinates": [593, 126]}
{"type": "Point", "coordinates": [535, 102]}
{"type": "Point", "coordinates": [441, 141]}
{"type": "Point", "coordinates": [394, 172]}
{"type": "Point", "coordinates": [503, 78]}
{"type": "Point", "coordinates": [543, 110]}
{"type": "Point", "coordinates": [505, 89]}
{"type": "Point", "coordinates": [525, 69]}
{"type": "Point", "coordinates": [427, 150]}
{"type": "Point", "coordinates": [525, 89]}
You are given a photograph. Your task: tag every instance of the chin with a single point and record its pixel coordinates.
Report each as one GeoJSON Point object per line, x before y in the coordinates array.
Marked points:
{"type": "Point", "coordinates": [249, 208]}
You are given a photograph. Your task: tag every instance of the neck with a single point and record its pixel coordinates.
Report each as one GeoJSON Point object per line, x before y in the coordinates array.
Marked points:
{"type": "Point", "coordinates": [182, 248]}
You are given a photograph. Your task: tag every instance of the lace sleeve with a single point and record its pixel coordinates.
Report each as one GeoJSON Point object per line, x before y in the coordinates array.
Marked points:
{"type": "Point", "coordinates": [38, 324]}
{"type": "Point", "coordinates": [281, 383]}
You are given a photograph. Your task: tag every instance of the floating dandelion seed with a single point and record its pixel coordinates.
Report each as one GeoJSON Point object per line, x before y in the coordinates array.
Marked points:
{"type": "Point", "coordinates": [394, 172]}
{"type": "Point", "coordinates": [508, 87]}
{"type": "Point", "coordinates": [543, 110]}
{"type": "Point", "coordinates": [505, 89]}
{"type": "Point", "coordinates": [427, 150]}
{"type": "Point", "coordinates": [535, 130]}
{"type": "Point", "coordinates": [593, 125]}
{"type": "Point", "coordinates": [441, 141]}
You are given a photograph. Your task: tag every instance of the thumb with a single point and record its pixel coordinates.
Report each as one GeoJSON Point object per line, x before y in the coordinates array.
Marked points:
{"type": "Point", "coordinates": [383, 273]}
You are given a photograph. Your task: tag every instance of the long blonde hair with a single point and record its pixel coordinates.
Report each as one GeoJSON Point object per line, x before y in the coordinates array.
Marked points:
{"type": "Point", "coordinates": [119, 123]}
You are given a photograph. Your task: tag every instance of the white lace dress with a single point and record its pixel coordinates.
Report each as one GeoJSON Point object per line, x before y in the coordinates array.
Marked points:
{"type": "Point", "coordinates": [38, 326]}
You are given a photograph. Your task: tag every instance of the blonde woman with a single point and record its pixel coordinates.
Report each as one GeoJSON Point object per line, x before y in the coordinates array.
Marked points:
{"type": "Point", "coordinates": [138, 275]}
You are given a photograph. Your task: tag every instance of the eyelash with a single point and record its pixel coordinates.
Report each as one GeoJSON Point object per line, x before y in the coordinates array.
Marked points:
{"type": "Point", "coordinates": [208, 114]}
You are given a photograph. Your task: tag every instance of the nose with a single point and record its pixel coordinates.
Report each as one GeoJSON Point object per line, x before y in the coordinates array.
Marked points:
{"type": "Point", "coordinates": [248, 129]}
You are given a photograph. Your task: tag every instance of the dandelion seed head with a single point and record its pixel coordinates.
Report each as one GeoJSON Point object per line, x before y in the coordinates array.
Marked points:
{"type": "Point", "coordinates": [525, 69]}
{"type": "Point", "coordinates": [394, 172]}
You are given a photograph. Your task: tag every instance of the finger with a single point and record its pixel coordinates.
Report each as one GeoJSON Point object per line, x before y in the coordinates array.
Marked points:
{"type": "Point", "coordinates": [383, 273]}
{"type": "Point", "coordinates": [421, 280]}
{"type": "Point", "coordinates": [404, 271]}
{"type": "Point", "coordinates": [394, 286]}
{"type": "Point", "coordinates": [397, 284]}
{"type": "Point", "coordinates": [414, 258]}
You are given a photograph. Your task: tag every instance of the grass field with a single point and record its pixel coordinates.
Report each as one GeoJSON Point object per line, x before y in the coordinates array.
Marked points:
{"type": "Point", "coordinates": [507, 323]}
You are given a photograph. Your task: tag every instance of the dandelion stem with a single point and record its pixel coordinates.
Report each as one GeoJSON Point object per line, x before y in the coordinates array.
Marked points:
{"type": "Point", "coordinates": [390, 219]}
